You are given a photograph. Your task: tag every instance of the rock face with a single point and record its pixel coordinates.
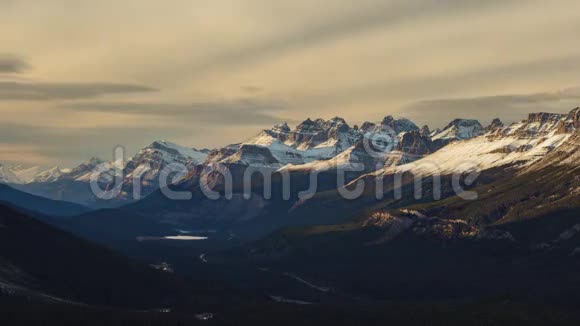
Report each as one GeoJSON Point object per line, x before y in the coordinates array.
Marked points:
{"type": "Point", "coordinates": [411, 146]}
{"type": "Point", "coordinates": [320, 133]}
{"type": "Point", "coordinates": [541, 124]}
{"type": "Point", "coordinates": [495, 124]}
{"type": "Point", "coordinates": [520, 144]}
{"type": "Point", "coordinates": [311, 140]}
{"type": "Point", "coordinates": [147, 165]}
{"type": "Point", "coordinates": [319, 145]}
{"type": "Point", "coordinates": [460, 129]}
{"type": "Point", "coordinates": [415, 143]}
{"type": "Point", "coordinates": [389, 124]}
{"type": "Point", "coordinates": [390, 142]}
{"type": "Point", "coordinates": [400, 125]}
{"type": "Point", "coordinates": [219, 154]}
{"type": "Point", "coordinates": [308, 131]}
{"type": "Point", "coordinates": [543, 117]}
{"type": "Point", "coordinates": [253, 155]}
{"type": "Point", "coordinates": [425, 131]}
{"type": "Point", "coordinates": [282, 128]}
{"type": "Point", "coordinates": [573, 119]}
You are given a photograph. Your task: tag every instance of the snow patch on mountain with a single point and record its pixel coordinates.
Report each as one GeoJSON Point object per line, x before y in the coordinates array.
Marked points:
{"type": "Point", "coordinates": [310, 141]}
{"type": "Point", "coordinates": [172, 152]}
{"type": "Point", "coordinates": [83, 171]}
{"type": "Point", "coordinates": [460, 129]}
{"type": "Point", "coordinates": [519, 144]}
{"type": "Point", "coordinates": [51, 175]}
{"type": "Point", "coordinates": [25, 174]}
{"type": "Point", "coordinates": [7, 176]}
{"type": "Point", "coordinates": [389, 142]}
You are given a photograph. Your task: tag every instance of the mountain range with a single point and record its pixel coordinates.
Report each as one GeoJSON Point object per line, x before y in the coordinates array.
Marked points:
{"type": "Point", "coordinates": [321, 147]}
{"type": "Point", "coordinates": [461, 218]}
{"type": "Point", "coordinates": [385, 150]}
{"type": "Point", "coordinates": [308, 145]}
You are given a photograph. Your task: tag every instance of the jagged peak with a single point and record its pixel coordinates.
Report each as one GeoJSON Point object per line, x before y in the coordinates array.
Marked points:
{"type": "Point", "coordinates": [281, 127]}
{"type": "Point", "coordinates": [495, 123]}
{"type": "Point", "coordinates": [320, 121]}
{"type": "Point", "coordinates": [202, 150]}
{"type": "Point", "coordinates": [462, 122]}
{"type": "Point", "coordinates": [309, 124]}
{"type": "Point", "coordinates": [167, 145]}
{"type": "Point", "coordinates": [168, 150]}
{"type": "Point", "coordinates": [460, 129]}
{"type": "Point", "coordinates": [399, 125]}
{"type": "Point", "coordinates": [163, 143]}
{"type": "Point", "coordinates": [158, 142]}
{"type": "Point", "coordinates": [574, 117]}
{"type": "Point", "coordinates": [542, 117]}
{"type": "Point", "coordinates": [336, 121]}
{"type": "Point", "coordinates": [54, 168]}
{"type": "Point", "coordinates": [543, 124]}
{"type": "Point", "coordinates": [50, 174]}
{"type": "Point", "coordinates": [93, 161]}
{"type": "Point", "coordinates": [388, 119]}
{"type": "Point", "coordinates": [367, 126]}
{"type": "Point", "coordinates": [425, 131]}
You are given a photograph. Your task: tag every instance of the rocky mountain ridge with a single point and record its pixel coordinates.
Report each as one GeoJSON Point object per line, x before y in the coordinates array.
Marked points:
{"type": "Point", "coordinates": [325, 145]}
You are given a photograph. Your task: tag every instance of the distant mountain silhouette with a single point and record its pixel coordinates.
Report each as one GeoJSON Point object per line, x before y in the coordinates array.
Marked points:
{"type": "Point", "coordinates": [39, 204]}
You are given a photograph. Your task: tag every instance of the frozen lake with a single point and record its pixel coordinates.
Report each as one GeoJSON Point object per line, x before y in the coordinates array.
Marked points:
{"type": "Point", "coordinates": [172, 237]}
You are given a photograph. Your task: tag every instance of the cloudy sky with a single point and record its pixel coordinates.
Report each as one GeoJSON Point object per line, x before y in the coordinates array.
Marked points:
{"type": "Point", "coordinates": [78, 77]}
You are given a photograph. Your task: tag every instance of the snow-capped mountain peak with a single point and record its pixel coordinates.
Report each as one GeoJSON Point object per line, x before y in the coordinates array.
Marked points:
{"type": "Point", "coordinates": [173, 153]}
{"type": "Point", "coordinates": [336, 121]}
{"type": "Point", "coordinates": [281, 128]}
{"type": "Point", "coordinates": [7, 176]}
{"type": "Point", "coordinates": [460, 129]}
{"type": "Point", "coordinates": [519, 144]}
{"type": "Point", "coordinates": [495, 124]}
{"type": "Point", "coordinates": [50, 175]}
{"type": "Point", "coordinates": [311, 140]}
{"type": "Point", "coordinates": [318, 144]}
{"type": "Point", "coordinates": [20, 174]}
{"type": "Point", "coordinates": [84, 170]}
{"type": "Point", "coordinates": [309, 127]}
{"type": "Point", "coordinates": [543, 124]}
{"type": "Point", "coordinates": [399, 125]}
{"type": "Point", "coordinates": [25, 174]}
